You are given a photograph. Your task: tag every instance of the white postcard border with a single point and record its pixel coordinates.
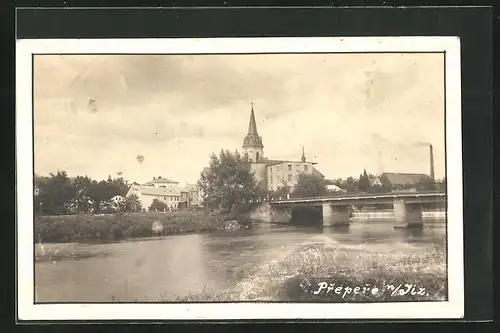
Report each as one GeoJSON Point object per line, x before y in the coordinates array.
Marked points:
{"type": "Point", "coordinates": [27, 310]}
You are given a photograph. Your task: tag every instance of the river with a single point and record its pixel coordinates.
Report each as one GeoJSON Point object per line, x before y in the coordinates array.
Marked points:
{"type": "Point", "coordinates": [175, 266]}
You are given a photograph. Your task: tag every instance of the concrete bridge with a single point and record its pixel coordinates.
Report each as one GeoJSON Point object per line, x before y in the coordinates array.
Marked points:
{"type": "Point", "coordinates": [335, 209]}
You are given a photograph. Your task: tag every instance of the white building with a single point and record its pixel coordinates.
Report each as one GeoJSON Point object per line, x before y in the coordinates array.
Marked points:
{"type": "Point", "coordinates": [162, 189]}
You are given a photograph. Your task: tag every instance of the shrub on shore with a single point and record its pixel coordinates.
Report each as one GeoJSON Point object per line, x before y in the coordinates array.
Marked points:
{"type": "Point", "coordinates": [113, 227]}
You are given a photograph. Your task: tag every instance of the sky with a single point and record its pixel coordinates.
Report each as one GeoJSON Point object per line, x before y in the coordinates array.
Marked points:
{"type": "Point", "coordinates": [144, 116]}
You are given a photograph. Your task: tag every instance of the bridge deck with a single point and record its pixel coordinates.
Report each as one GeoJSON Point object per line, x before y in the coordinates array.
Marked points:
{"type": "Point", "coordinates": [425, 197]}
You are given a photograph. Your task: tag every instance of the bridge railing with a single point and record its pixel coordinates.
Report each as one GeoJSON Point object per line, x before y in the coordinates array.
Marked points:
{"type": "Point", "coordinates": [364, 195]}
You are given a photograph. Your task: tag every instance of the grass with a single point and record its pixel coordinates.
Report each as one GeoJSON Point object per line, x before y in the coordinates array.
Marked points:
{"type": "Point", "coordinates": [296, 277]}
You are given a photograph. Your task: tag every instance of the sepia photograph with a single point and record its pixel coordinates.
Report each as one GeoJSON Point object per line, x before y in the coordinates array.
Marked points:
{"type": "Point", "coordinates": [240, 178]}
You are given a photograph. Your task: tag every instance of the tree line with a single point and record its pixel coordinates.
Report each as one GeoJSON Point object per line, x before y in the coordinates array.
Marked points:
{"type": "Point", "coordinates": [230, 183]}
{"type": "Point", "coordinates": [58, 194]}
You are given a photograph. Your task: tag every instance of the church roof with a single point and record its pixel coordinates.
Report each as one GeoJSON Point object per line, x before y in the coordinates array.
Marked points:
{"type": "Point", "coordinates": [252, 139]}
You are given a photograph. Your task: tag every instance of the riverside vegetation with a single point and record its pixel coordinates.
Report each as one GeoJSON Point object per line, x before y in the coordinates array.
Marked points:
{"type": "Point", "coordinates": [295, 277]}
{"type": "Point", "coordinates": [105, 228]}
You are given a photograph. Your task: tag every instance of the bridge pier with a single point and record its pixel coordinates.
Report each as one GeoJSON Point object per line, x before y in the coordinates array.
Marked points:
{"type": "Point", "coordinates": [334, 215]}
{"type": "Point", "coordinates": [407, 214]}
{"type": "Point", "coordinates": [279, 215]}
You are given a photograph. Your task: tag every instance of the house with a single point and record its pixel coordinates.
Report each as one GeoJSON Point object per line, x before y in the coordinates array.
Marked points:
{"type": "Point", "coordinates": [375, 182]}
{"type": "Point", "coordinates": [193, 194]}
{"type": "Point", "coordinates": [162, 189]}
{"type": "Point", "coordinates": [407, 182]}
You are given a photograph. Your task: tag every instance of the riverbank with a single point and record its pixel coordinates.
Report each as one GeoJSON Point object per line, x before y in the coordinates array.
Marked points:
{"type": "Point", "coordinates": [344, 274]}
{"type": "Point", "coordinates": [114, 227]}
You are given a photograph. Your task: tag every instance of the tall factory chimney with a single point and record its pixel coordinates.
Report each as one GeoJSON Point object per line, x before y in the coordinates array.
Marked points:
{"type": "Point", "coordinates": [431, 152]}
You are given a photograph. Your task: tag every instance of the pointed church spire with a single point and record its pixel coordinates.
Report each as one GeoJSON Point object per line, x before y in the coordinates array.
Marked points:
{"type": "Point", "coordinates": [303, 158]}
{"type": "Point", "coordinates": [252, 126]}
{"type": "Point", "coordinates": [252, 138]}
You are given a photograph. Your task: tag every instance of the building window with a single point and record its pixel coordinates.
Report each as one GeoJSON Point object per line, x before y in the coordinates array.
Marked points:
{"type": "Point", "coordinates": [165, 198]}
{"type": "Point", "coordinates": [257, 157]}
{"type": "Point", "coordinates": [305, 167]}
{"type": "Point", "coordinates": [289, 178]}
{"type": "Point", "coordinates": [278, 168]}
{"type": "Point", "coordinates": [289, 167]}
{"type": "Point", "coordinates": [271, 179]}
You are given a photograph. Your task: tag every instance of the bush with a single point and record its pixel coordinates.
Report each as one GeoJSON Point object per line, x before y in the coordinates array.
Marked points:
{"type": "Point", "coordinates": [113, 227]}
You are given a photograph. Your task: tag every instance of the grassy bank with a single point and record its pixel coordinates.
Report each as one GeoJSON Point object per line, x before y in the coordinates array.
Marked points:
{"type": "Point", "coordinates": [297, 276]}
{"type": "Point", "coordinates": [112, 228]}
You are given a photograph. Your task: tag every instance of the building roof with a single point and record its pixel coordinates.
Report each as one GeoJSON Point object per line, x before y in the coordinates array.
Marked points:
{"type": "Point", "coordinates": [206, 170]}
{"type": "Point", "coordinates": [151, 190]}
{"type": "Point", "coordinates": [161, 180]}
{"type": "Point", "coordinates": [275, 162]}
{"type": "Point", "coordinates": [317, 173]}
{"type": "Point", "coordinates": [404, 178]}
{"type": "Point", "coordinates": [330, 182]}
{"type": "Point", "coordinates": [191, 187]}
{"type": "Point", "coordinates": [333, 187]}
{"type": "Point", "coordinates": [158, 191]}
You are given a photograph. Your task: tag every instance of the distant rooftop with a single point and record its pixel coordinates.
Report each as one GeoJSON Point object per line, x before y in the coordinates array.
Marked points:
{"type": "Point", "coordinates": [191, 187]}
{"type": "Point", "coordinates": [151, 190]}
{"type": "Point", "coordinates": [274, 162]}
{"type": "Point", "coordinates": [160, 180]}
{"type": "Point", "coordinates": [404, 178]}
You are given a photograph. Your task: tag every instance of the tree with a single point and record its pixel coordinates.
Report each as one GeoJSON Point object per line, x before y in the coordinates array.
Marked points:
{"type": "Point", "coordinates": [309, 185]}
{"type": "Point", "coordinates": [133, 204]}
{"type": "Point", "coordinates": [158, 206]}
{"type": "Point", "coordinates": [54, 194]}
{"type": "Point", "coordinates": [103, 191]}
{"type": "Point", "coordinates": [282, 190]}
{"type": "Point", "coordinates": [350, 185]}
{"type": "Point", "coordinates": [364, 182]}
{"type": "Point", "coordinates": [229, 182]}
{"type": "Point", "coordinates": [81, 203]}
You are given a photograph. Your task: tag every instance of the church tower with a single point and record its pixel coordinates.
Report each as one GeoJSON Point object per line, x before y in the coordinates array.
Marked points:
{"type": "Point", "coordinates": [252, 144]}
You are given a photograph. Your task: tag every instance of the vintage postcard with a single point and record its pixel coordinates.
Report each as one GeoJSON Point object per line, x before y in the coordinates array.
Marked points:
{"type": "Point", "coordinates": [239, 178]}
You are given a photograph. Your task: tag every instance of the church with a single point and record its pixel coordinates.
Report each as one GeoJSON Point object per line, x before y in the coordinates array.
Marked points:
{"type": "Point", "coordinates": [273, 172]}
